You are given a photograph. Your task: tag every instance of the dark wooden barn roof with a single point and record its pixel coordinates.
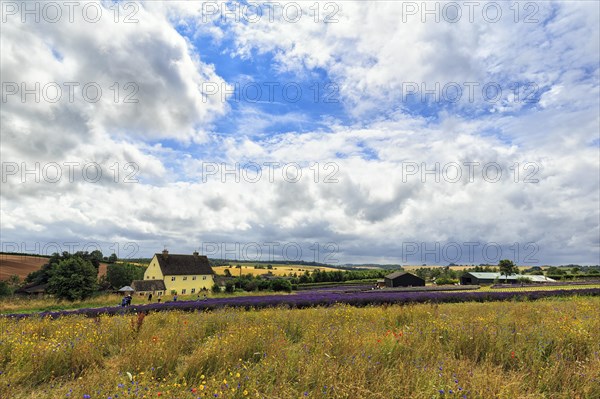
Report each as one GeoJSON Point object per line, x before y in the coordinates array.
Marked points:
{"type": "Point", "coordinates": [148, 285]}
{"type": "Point", "coordinates": [396, 275]}
{"type": "Point", "coordinates": [33, 289]}
{"type": "Point", "coordinates": [173, 265]}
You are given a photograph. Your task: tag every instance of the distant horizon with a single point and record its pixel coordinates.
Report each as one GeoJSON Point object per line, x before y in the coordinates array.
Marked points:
{"type": "Point", "coordinates": [334, 265]}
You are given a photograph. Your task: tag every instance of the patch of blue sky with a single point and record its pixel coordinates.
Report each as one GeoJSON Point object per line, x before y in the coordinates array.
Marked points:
{"type": "Point", "coordinates": [530, 14]}
{"type": "Point", "coordinates": [514, 98]}
{"type": "Point", "coordinates": [265, 101]}
{"type": "Point", "coordinates": [498, 134]}
{"type": "Point", "coordinates": [256, 82]}
{"type": "Point", "coordinates": [367, 152]}
{"type": "Point", "coordinates": [56, 54]}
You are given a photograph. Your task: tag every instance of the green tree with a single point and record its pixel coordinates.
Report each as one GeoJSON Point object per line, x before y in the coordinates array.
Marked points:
{"type": "Point", "coordinates": [97, 255]}
{"type": "Point", "coordinates": [5, 289]}
{"type": "Point", "coordinates": [112, 258]}
{"type": "Point", "coordinates": [445, 281]}
{"type": "Point", "coordinates": [120, 275]}
{"type": "Point", "coordinates": [88, 256]}
{"type": "Point", "coordinates": [281, 285]}
{"type": "Point", "coordinates": [554, 271]}
{"type": "Point", "coordinates": [42, 275]}
{"type": "Point", "coordinates": [524, 280]}
{"type": "Point", "coordinates": [73, 278]}
{"type": "Point", "coordinates": [507, 268]}
{"type": "Point", "coordinates": [14, 280]}
{"type": "Point", "coordinates": [305, 278]}
{"type": "Point", "coordinates": [229, 286]}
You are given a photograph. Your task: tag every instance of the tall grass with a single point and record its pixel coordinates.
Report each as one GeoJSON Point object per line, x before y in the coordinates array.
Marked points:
{"type": "Point", "coordinates": [26, 304]}
{"type": "Point", "coordinates": [543, 349]}
{"type": "Point", "coordinates": [23, 304]}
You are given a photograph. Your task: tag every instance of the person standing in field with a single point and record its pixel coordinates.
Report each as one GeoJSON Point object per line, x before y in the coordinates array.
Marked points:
{"type": "Point", "coordinates": [150, 297]}
{"type": "Point", "coordinates": [126, 300]}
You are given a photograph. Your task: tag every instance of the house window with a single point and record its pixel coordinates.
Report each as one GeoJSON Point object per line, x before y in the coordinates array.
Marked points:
{"type": "Point", "coordinates": [203, 277]}
{"type": "Point", "coordinates": [194, 278]}
{"type": "Point", "coordinates": [184, 278]}
{"type": "Point", "coordinates": [193, 290]}
{"type": "Point", "coordinates": [173, 278]}
{"type": "Point", "coordinates": [183, 291]}
{"type": "Point", "coordinates": [152, 277]}
{"type": "Point", "coordinates": [159, 293]}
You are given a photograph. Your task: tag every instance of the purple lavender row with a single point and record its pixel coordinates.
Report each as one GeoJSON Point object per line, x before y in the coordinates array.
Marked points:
{"type": "Point", "coordinates": [312, 299]}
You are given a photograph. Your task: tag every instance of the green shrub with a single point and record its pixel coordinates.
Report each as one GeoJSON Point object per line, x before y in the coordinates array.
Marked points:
{"type": "Point", "coordinates": [5, 289]}
{"type": "Point", "coordinates": [229, 286]}
{"type": "Point", "coordinates": [281, 285]}
{"type": "Point", "coordinates": [445, 281]}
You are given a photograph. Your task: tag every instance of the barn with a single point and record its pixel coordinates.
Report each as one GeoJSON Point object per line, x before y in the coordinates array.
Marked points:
{"type": "Point", "coordinates": [403, 279]}
{"type": "Point", "coordinates": [477, 278]}
{"type": "Point", "coordinates": [145, 287]}
{"type": "Point", "coordinates": [33, 289]}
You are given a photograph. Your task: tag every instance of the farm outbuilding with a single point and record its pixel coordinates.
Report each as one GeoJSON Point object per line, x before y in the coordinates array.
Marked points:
{"type": "Point", "coordinates": [126, 289]}
{"type": "Point", "coordinates": [477, 278]}
{"type": "Point", "coordinates": [145, 287]}
{"type": "Point", "coordinates": [33, 289]}
{"type": "Point", "coordinates": [403, 279]}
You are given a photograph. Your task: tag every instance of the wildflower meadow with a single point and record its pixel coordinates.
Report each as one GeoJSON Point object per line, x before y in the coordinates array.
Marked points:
{"type": "Point", "coordinates": [547, 348]}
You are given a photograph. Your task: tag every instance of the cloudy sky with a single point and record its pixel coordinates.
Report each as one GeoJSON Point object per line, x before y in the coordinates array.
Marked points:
{"type": "Point", "coordinates": [339, 132]}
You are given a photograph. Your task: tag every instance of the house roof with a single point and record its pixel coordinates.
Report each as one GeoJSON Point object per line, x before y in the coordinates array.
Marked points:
{"type": "Point", "coordinates": [175, 265]}
{"type": "Point", "coordinates": [394, 275]}
{"type": "Point", "coordinates": [149, 285]}
{"type": "Point", "coordinates": [126, 289]}
{"type": "Point", "coordinates": [539, 279]}
{"type": "Point", "coordinates": [33, 289]}
{"type": "Point", "coordinates": [491, 276]}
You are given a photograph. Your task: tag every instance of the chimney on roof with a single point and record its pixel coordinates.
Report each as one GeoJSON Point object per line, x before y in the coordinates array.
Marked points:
{"type": "Point", "coordinates": [196, 254]}
{"type": "Point", "coordinates": [165, 254]}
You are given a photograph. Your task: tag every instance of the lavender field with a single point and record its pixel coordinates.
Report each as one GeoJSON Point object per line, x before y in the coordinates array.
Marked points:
{"type": "Point", "coordinates": [324, 298]}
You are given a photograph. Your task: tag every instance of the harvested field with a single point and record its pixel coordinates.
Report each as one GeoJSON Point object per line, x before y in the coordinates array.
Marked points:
{"type": "Point", "coordinates": [22, 265]}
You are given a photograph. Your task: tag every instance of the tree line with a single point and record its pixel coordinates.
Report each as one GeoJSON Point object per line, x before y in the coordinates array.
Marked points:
{"type": "Point", "coordinates": [75, 276]}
